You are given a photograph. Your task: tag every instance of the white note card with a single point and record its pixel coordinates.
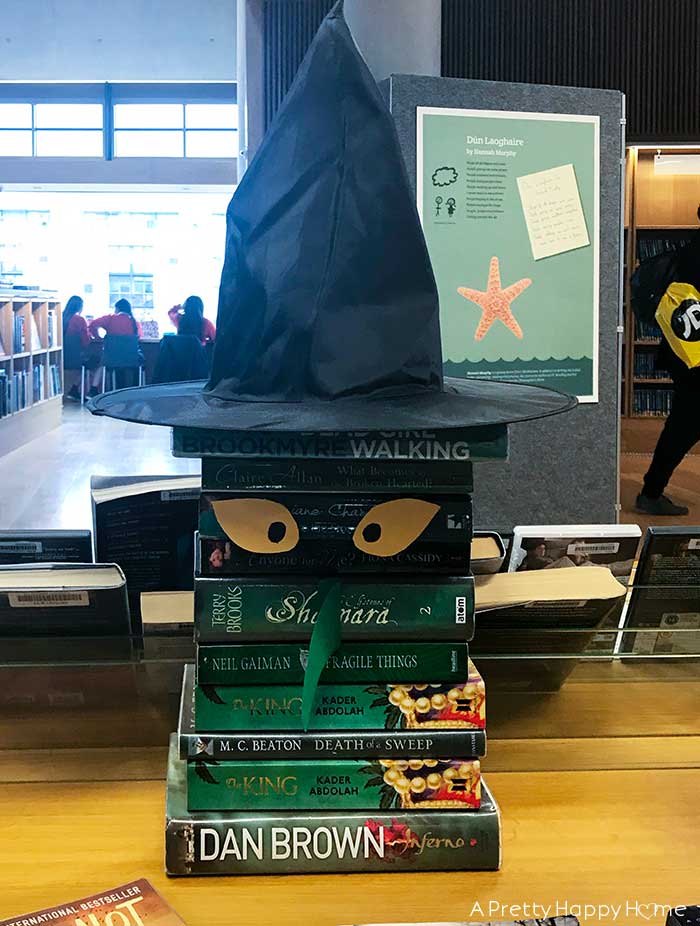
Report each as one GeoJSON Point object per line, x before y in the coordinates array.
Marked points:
{"type": "Point", "coordinates": [553, 212]}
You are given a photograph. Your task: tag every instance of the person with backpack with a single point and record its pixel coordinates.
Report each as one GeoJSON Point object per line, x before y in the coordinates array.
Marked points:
{"type": "Point", "coordinates": [682, 428]}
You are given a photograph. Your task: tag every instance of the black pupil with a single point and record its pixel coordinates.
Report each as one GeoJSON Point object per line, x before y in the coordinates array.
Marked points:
{"type": "Point", "coordinates": [276, 532]}
{"type": "Point", "coordinates": [372, 532]}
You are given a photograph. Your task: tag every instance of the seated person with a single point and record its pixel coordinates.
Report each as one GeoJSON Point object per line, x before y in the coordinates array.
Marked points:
{"type": "Point", "coordinates": [76, 353]}
{"type": "Point", "coordinates": [181, 357]}
{"type": "Point", "coordinates": [122, 324]}
{"type": "Point", "coordinates": [121, 321]}
{"type": "Point", "coordinates": [194, 307]}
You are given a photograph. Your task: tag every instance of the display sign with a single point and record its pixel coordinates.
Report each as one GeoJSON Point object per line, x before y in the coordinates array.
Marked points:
{"type": "Point", "coordinates": [509, 203]}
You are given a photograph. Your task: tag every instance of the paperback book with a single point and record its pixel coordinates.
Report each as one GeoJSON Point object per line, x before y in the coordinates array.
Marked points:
{"type": "Point", "coordinates": [303, 842]}
{"type": "Point", "coordinates": [282, 609]}
{"type": "Point", "coordinates": [63, 600]}
{"type": "Point", "coordinates": [489, 442]}
{"type": "Point", "coordinates": [195, 741]}
{"type": "Point", "coordinates": [333, 784]}
{"type": "Point", "coordinates": [147, 525]}
{"type": "Point", "coordinates": [285, 663]}
{"type": "Point", "coordinates": [134, 904]}
{"type": "Point", "coordinates": [427, 708]}
{"type": "Point", "coordinates": [663, 614]}
{"type": "Point", "coordinates": [315, 475]}
{"type": "Point", "coordinates": [45, 547]}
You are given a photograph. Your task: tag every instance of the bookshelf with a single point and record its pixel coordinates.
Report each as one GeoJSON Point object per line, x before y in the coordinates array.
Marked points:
{"type": "Point", "coordinates": [660, 215]}
{"type": "Point", "coordinates": [31, 366]}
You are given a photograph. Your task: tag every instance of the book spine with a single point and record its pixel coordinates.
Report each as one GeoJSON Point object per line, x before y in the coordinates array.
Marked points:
{"type": "Point", "coordinates": [412, 707]}
{"type": "Point", "coordinates": [284, 610]}
{"type": "Point", "coordinates": [349, 784]}
{"type": "Point", "coordinates": [431, 744]}
{"type": "Point", "coordinates": [479, 443]}
{"type": "Point", "coordinates": [309, 557]}
{"type": "Point", "coordinates": [284, 663]}
{"type": "Point", "coordinates": [247, 475]}
{"type": "Point", "coordinates": [353, 841]}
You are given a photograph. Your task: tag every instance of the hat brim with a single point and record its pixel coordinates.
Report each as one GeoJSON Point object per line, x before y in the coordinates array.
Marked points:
{"type": "Point", "coordinates": [461, 404]}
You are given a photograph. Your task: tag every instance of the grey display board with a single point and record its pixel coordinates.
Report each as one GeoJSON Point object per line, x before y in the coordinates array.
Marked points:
{"type": "Point", "coordinates": [563, 469]}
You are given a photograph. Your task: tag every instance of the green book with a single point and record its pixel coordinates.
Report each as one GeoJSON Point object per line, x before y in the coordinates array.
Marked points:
{"type": "Point", "coordinates": [285, 663]}
{"type": "Point", "coordinates": [457, 705]}
{"type": "Point", "coordinates": [282, 609]}
{"type": "Point", "coordinates": [488, 442]}
{"type": "Point", "coordinates": [333, 784]}
{"type": "Point", "coordinates": [455, 731]}
{"type": "Point", "coordinates": [324, 842]}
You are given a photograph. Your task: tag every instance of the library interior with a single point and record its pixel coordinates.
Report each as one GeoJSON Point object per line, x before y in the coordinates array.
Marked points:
{"type": "Point", "coordinates": [347, 360]}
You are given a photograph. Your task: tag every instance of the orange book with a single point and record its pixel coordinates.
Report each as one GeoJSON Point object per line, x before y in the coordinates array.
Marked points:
{"type": "Point", "coordinates": [134, 904]}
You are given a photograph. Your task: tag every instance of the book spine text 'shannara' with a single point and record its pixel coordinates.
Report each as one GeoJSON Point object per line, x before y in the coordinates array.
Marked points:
{"type": "Point", "coordinates": [284, 663]}
{"type": "Point", "coordinates": [284, 609]}
{"type": "Point", "coordinates": [333, 784]}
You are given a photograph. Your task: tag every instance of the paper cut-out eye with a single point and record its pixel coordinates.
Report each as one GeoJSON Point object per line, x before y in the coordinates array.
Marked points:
{"type": "Point", "coordinates": [389, 528]}
{"type": "Point", "coordinates": [257, 525]}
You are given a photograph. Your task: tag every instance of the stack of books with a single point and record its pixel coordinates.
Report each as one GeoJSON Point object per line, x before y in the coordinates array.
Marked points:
{"type": "Point", "coordinates": [382, 771]}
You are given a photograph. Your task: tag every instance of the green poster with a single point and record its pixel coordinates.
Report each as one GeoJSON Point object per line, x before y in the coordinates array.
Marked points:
{"type": "Point", "coordinates": [509, 204]}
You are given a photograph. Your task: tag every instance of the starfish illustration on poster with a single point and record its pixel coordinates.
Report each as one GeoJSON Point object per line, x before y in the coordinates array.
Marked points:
{"type": "Point", "coordinates": [509, 203]}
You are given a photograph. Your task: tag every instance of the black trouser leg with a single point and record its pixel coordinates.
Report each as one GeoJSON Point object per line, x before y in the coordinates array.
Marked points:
{"type": "Point", "coordinates": [680, 433]}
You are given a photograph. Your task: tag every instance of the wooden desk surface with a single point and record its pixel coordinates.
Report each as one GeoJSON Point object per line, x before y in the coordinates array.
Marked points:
{"type": "Point", "coordinates": [583, 837]}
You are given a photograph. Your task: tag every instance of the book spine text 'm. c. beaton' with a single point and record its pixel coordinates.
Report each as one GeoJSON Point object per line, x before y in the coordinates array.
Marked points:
{"type": "Point", "coordinates": [357, 744]}
{"type": "Point", "coordinates": [337, 784]}
{"type": "Point", "coordinates": [284, 610]}
{"type": "Point", "coordinates": [285, 663]}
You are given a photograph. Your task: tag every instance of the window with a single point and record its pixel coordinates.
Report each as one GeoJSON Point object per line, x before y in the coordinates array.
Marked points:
{"type": "Point", "coordinates": [136, 287]}
{"type": "Point", "coordinates": [51, 130]}
{"type": "Point", "coordinates": [175, 130]}
{"type": "Point", "coordinates": [119, 121]}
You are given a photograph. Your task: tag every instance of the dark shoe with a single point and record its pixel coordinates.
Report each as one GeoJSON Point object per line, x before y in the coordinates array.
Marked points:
{"type": "Point", "coordinates": [93, 391]}
{"type": "Point", "coordinates": [660, 507]}
{"type": "Point", "coordinates": [73, 393]}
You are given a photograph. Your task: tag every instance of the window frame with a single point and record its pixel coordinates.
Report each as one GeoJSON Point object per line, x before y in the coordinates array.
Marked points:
{"type": "Point", "coordinates": [110, 95]}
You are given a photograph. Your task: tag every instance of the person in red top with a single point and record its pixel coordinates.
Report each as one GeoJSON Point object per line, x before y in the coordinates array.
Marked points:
{"type": "Point", "coordinates": [120, 322]}
{"type": "Point", "coordinates": [76, 340]}
{"type": "Point", "coordinates": [193, 308]}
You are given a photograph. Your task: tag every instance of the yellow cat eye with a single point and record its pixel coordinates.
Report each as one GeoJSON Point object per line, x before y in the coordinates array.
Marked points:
{"type": "Point", "coordinates": [389, 528]}
{"type": "Point", "coordinates": [257, 525]}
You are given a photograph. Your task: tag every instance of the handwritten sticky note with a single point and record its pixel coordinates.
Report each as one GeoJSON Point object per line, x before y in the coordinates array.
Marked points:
{"type": "Point", "coordinates": [553, 212]}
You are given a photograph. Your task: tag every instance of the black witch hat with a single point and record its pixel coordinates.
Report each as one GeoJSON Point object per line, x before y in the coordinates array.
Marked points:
{"type": "Point", "coordinates": [328, 310]}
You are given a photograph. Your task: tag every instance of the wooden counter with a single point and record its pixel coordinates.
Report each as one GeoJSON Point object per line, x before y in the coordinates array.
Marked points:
{"type": "Point", "coordinates": [605, 837]}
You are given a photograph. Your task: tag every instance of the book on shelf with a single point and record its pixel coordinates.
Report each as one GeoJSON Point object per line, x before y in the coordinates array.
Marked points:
{"type": "Point", "coordinates": [136, 903]}
{"type": "Point", "coordinates": [303, 842]}
{"type": "Point", "coordinates": [556, 546]}
{"type": "Point", "coordinates": [18, 335]}
{"type": "Point", "coordinates": [51, 328]}
{"type": "Point", "coordinates": [146, 524]}
{"type": "Point", "coordinates": [654, 402]}
{"type": "Point", "coordinates": [64, 612]}
{"type": "Point", "coordinates": [35, 337]}
{"type": "Point", "coordinates": [663, 613]}
{"type": "Point", "coordinates": [49, 546]}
